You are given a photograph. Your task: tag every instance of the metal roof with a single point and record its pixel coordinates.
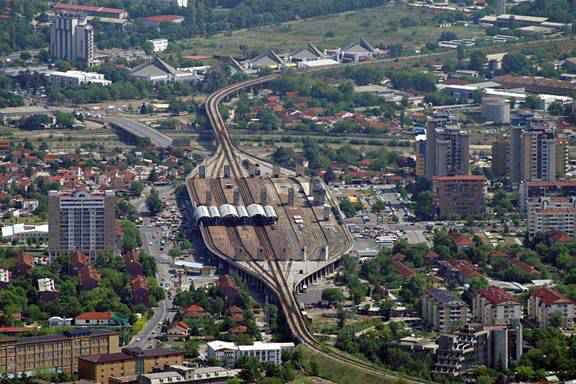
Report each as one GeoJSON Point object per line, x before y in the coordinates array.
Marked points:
{"type": "Point", "coordinates": [256, 210]}
{"type": "Point", "coordinates": [214, 212]}
{"type": "Point", "coordinates": [270, 212]}
{"type": "Point", "coordinates": [228, 210]}
{"type": "Point", "coordinates": [242, 212]}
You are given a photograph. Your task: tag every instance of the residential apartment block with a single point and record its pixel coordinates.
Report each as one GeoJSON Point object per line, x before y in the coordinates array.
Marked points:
{"type": "Point", "coordinates": [447, 147]}
{"type": "Point", "coordinates": [551, 214]}
{"type": "Point", "coordinates": [229, 353]}
{"type": "Point", "coordinates": [547, 305]}
{"type": "Point", "coordinates": [72, 39]}
{"type": "Point", "coordinates": [81, 221]}
{"type": "Point", "coordinates": [495, 306]}
{"type": "Point", "coordinates": [443, 311]}
{"type": "Point", "coordinates": [456, 197]}
{"type": "Point", "coordinates": [54, 353]}
{"type": "Point", "coordinates": [537, 153]}
{"type": "Point", "coordinates": [494, 347]}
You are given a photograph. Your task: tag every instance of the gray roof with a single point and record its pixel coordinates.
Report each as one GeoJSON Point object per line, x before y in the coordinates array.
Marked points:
{"type": "Point", "coordinates": [361, 46]}
{"type": "Point", "coordinates": [310, 52]}
{"type": "Point", "coordinates": [444, 296]}
{"type": "Point", "coordinates": [267, 58]}
{"type": "Point", "coordinates": [157, 67]}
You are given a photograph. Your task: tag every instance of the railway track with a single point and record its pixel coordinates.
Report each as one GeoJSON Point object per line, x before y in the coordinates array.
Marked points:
{"type": "Point", "coordinates": [273, 276]}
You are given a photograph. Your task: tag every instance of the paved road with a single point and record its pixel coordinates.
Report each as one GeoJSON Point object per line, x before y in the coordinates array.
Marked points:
{"type": "Point", "coordinates": [140, 130]}
{"type": "Point", "coordinates": [151, 236]}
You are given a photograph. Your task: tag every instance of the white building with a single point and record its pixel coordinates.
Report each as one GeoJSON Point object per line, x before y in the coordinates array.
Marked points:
{"type": "Point", "coordinates": [159, 45]}
{"type": "Point", "coordinates": [46, 285]}
{"type": "Point", "coordinates": [549, 214]}
{"type": "Point", "coordinates": [4, 277]}
{"type": "Point", "coordinates": [17, 232]}
{"type": "Point", "coordinates": [178, 3]}
{"type": "Point", "coordinates": [495, 306]}
{"type": "Point", "coordinates": [76, 78]}
{"type": "Point", "coordinates": [229, 353]}
{"type": "Point", "coordinates": [545, 304]}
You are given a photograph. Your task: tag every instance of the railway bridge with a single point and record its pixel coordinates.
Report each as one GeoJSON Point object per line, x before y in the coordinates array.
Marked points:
{"type": "Point", "coordinates": [277, 227]}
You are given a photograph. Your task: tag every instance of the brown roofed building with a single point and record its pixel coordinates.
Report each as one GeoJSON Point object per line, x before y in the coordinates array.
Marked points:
{"type": "Point", "coordinates": [547, 305]}
{"type": "Point", "coordinates": [78, 260]}
{"type": "Point", "coordinates": [227, 287]}
{"type": "Point", "coordinates": [131, 361]}
{"type": "Point", "coordinates": [140, 291]}
{"type": "Point", "coordinates": [194, 311]}
{"type": "Point", "coordinates": [495, 306]}
{"type": "Point", "coordinates": [58, 352]}
{"type": "Point", "coordinates": [89, 277]}
{"type": "Point", "coordinates": [24, 263]}
{"type": "Point", "coordinates": [456, 197]}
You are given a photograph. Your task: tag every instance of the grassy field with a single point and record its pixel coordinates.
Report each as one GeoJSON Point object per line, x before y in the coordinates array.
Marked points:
{"type": "Point", "coordinates": [378, 25]}
{"type": "Point", "coordinates": [338, 373]}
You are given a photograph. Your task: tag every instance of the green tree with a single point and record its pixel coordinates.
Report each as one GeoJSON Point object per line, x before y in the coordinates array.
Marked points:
{"type": "Point", "coordinates": [332, 295]}
{"type": "Point", "coordinates": [154, 203]}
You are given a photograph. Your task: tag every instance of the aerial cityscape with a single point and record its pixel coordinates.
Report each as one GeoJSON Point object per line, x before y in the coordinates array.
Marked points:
{"type": "Point", "coordinates": [287, 191]}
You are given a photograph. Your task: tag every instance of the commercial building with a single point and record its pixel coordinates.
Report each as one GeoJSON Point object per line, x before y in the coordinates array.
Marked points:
{"type": "Point", "coordinates": [76, 78]}
{"type": "Point", "coordinates": [443, 311]}
{"type": "Point", "coordinates": [53, 353]}
{"type": "Point", "coordinates": [455, 197]}
{"type": "Point", "coordinates": [81, 221]}
{"type": "Point", "coordinates": [495, 306]}
{"type": "Point", "coordinates": [447, 147]}
{"type": "Point", "coordinates": [501, 157]}
{"type": "Point", "coordinates": [536, 153]}
{"type": "Point", "coordinates": [90, 10]}
{"type": "Point", "coordinates": [469, 348]}
{"type": "Point", "coordinates": [158, 71]}
{"type": "Point", "coordinates": [496, 109]}
{"type": "Point", "coordinates": [16, 232]}
{"type": "Point", "coordinates": [159, 45]}
{"type": "Point", "coordinates": [72, 39]}
{"type": "Point", "coordinates": [229, 353]}
{"type": "Point", "coordinates": [552, 214]}
{"type": "Point", "coordinates": [548, 307]}
{"type": "Point", "coordinates": [100, 319]}
{"type": "Point", "coordinates": [130, 361]}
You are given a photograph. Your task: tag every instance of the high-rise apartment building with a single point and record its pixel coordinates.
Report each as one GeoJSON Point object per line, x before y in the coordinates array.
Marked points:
{"type": "Point", "coordinates": [72, 39]}
{"type": "Point", "coordinates": [536, 153]}
{"type": "Point", "coordinates": [495, 306]}
{"type": "Point", "coordinates": [447, 147]}
{"type": "Point", "coordinates": [500, 7]}
{"type": "Point", "coordinates": [82, 221]}
{"type": "Point", "coordinates": [501, 157]}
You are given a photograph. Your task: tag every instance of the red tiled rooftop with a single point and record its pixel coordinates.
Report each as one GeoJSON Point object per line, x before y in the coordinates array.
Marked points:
{"type": "Point", "coordinates": [465, 267]}
{"type": "Point", "coordinates": [551, 296]}
{"type": "Point", "coordinates": [496, 295]}
{"type": "Point", "coordinates": [163, 18]}
{"type": "Point", "coordinates": [94, 316]}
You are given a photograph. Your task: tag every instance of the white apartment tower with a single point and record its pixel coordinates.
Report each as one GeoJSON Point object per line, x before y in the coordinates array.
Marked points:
{"type": "Point", "coordinates": [72, 39]}
{"type": "Point", "coordinates": [82, 221]}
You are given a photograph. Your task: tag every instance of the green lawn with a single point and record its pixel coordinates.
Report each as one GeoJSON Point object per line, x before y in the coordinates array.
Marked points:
{"type": "Point", "coordinates": [377, 25]}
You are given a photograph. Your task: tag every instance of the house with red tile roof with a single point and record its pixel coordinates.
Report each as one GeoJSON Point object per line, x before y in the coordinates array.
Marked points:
{"type": "Point", "coordinates": [78, 260]}
{"type": "Point", "coordinates": [24, 263]}
{"type": "Point", "coordinates": [179, 329]}
{"type": "Point", "coordinates": [194, 311]}
{"type": "Point", "coordinates": [558, 237]}
{"type": "Point", "coordinates": [89, 277]}
{"type": "Point", "coordinates": [239, 329]}
{"type": "Point", "coordinates": [402, 269]}
{"type": "Point", "coordinates": [547, 305]}
{"type": "Point", "coordinates": [495, 306]}
{"type": "Point", "coordinates": [461, 241]}
{"type": "Point", "coordinates": [100, 319]}
{"type": "Point", "coordinates": [524, 267]}
{"type": "Point", "coordinates": [140, 290]}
